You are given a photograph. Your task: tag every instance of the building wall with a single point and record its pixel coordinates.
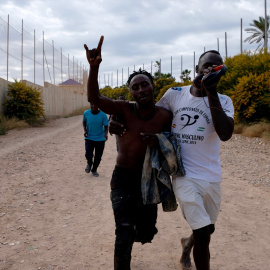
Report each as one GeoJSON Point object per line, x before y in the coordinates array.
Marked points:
{"type": "Point", "coordinates": [59, 101]}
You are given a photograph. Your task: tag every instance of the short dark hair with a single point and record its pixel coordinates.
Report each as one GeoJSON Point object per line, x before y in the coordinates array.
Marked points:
{"type": "Point", "coordinates": [210, 51]}
{"type": "Point", "coordinates": [140, 71]}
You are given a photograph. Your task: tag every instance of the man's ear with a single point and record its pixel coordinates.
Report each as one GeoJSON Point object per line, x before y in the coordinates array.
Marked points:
{"type": "Point", "coordinates": [197, 69]}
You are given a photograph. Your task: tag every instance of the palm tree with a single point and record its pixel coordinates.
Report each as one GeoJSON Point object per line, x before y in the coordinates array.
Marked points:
{"type": "Point", "coordinates": [258, 31]}
{"type": "Point", "coordinates": [185, 75]}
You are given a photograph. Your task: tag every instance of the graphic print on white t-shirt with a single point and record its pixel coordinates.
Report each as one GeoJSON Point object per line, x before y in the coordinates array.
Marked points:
{"type": "Point", "coordinates": [192, 126]}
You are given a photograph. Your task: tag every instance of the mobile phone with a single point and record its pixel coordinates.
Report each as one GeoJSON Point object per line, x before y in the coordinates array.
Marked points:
{"type": "Point", "coordinates": [218, 68]}
{"type": "Point", "coordinates": [209, 78]}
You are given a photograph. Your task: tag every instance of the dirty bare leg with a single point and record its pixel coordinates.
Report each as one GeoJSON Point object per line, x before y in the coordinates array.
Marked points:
{"type": "Point", "coordinates": [187, 245]}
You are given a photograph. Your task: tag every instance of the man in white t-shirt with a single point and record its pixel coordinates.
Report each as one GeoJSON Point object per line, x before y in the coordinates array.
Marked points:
{"type": "Point", "coordinates": [201, 118]}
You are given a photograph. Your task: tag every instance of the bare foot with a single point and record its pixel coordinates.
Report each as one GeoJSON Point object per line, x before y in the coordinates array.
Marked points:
{"type": "Point", "coordinates": [186, 250]}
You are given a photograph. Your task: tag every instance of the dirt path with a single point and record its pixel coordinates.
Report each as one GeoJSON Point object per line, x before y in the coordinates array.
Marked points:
{"type": "Point", "coordinates": [55, 216]}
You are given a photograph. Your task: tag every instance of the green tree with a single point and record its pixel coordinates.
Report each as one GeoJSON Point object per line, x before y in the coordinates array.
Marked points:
{"type": "Point", "coordinates": [185, 76]}
{"type": "Point", "coordinates": [258, 31]}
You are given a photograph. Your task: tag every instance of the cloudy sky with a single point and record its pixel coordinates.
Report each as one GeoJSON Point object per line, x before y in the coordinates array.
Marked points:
{"type": "Point", "coordinates": [138, 32]}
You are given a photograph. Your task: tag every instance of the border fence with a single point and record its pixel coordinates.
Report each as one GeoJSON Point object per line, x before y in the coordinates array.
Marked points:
{"type": "Point", "coordinates": [27, 56]}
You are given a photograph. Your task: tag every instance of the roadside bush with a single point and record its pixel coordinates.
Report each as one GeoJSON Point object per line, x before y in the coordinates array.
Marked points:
{"type": "Point", "coordinates": [161, 83]}
{"type": "Point", "coordinates": [114, 93]}
{"type": "Point", "coordinates": [242, 65]}
{"type": "Point", "coordinates": [247, 82]}
{"type": "Point", "coordinates": [251, 98]}
{"type": "Point", "coordinates": [3, 129]}
{"type": "Point", "coordinates": [166, 87]}
{"type": "Point", "coordinates": [24, 102]}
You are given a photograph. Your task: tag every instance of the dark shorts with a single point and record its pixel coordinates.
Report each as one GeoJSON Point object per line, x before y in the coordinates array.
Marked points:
{"type": "Point", "coordinates": [134, 221]}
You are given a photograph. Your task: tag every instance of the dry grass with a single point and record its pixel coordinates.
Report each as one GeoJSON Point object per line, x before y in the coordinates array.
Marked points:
{"type": "Point", "coordinates": [7, 124]}
{"type": "Point", "coordinates": [260, 130]}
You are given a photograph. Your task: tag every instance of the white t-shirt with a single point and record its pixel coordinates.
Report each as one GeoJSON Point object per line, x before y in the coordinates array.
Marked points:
{"type": "Point", "coordinates": [192, 126]}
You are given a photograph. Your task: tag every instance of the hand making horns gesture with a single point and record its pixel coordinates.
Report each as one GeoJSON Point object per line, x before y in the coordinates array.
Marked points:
{"type": "Point", "coordinates": [94, 56]}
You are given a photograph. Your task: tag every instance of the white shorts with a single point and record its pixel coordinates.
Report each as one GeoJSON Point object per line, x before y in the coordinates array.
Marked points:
{"type": "Point", "coordinates": [199, 200]}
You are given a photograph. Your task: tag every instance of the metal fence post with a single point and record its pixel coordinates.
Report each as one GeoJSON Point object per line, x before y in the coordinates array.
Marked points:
{"type": "Point", "coordinates": [22, 54]}
{"type": "Point", "coordinates": [226, 53]}
{"type": "Point", "coordinates": [53, 64]}
{"type": "Point", "coordinates": [34, 56]}
{"type": "Point", "coordinates": [7, 46]}
{"type": "Point", "coordinates": [159, 69]}
{"type": "Point", "coordinates": [241, 36]}
{"type": "Point", "coordinates": [171, 66]}
{"type": "Point", "coordinates": [43, 60]}
{"type": "Point", "coordinates": [61, 65]}
{"type": "Point", "coordinates": [73, 67]}
{"type": "Point", "coordinates": [68, 68]}
{"type": "Point", "coordinates": [194, 66]}
{"type": "Point", "coordinates": [181, 67]}
{"type": "Point", "coordinates": [265, 28]}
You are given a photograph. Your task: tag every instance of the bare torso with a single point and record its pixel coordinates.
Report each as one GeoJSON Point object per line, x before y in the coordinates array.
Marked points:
{"type": "Point", "coordinates": [131, 146]}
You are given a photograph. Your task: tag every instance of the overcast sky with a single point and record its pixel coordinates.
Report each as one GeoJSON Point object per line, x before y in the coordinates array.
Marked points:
{"type": "Point", "coordinates": [137, 32]}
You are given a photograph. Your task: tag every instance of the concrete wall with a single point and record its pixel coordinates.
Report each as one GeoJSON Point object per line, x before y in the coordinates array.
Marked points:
{"type": "Point", "coordinates": [59, 101]}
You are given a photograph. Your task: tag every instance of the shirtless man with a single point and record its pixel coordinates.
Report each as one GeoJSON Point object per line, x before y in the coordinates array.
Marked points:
{"type": "Point", "coordinates": [134, 221]}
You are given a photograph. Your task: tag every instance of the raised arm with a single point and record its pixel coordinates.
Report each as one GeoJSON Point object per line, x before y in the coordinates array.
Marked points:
{"type": "Point", "coordinates": [223, 124]}
{"type": "Point", "coordinates": [94, 59]}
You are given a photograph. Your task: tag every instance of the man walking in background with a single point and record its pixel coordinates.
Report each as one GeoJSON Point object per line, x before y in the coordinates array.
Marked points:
{"type": "Point", "coordinates": [95, 124]}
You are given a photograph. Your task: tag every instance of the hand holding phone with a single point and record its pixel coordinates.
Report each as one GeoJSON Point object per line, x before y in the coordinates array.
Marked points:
{"type": "Point", "coordinates": [204, 80]}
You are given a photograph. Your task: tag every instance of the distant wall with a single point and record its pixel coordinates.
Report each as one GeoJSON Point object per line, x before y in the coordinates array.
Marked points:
{"type": "Point", "coordinates": [59, 101]}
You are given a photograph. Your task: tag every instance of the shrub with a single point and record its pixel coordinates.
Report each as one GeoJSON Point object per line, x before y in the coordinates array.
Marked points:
{"type": "Point", "coordinates": [115, 93]}
{"type": "Point", "coordinates": [24, 102]}
{"type": "Point", "coordinates": [3, 129]}
{"type": "Point", "coordinates": [251, 98]}
{"type": "Point", "coordinates": [242, 65]}
{"type": "Point", "coordinates": [161, 83]}
{"type": "Point", "coordinates": [247, 82]}
{"type": "Point", "coordinates": [166, 87]}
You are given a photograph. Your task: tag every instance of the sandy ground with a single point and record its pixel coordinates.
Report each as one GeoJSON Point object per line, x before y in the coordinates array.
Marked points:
{"type": "Point", "coordinates": [55, 216]}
